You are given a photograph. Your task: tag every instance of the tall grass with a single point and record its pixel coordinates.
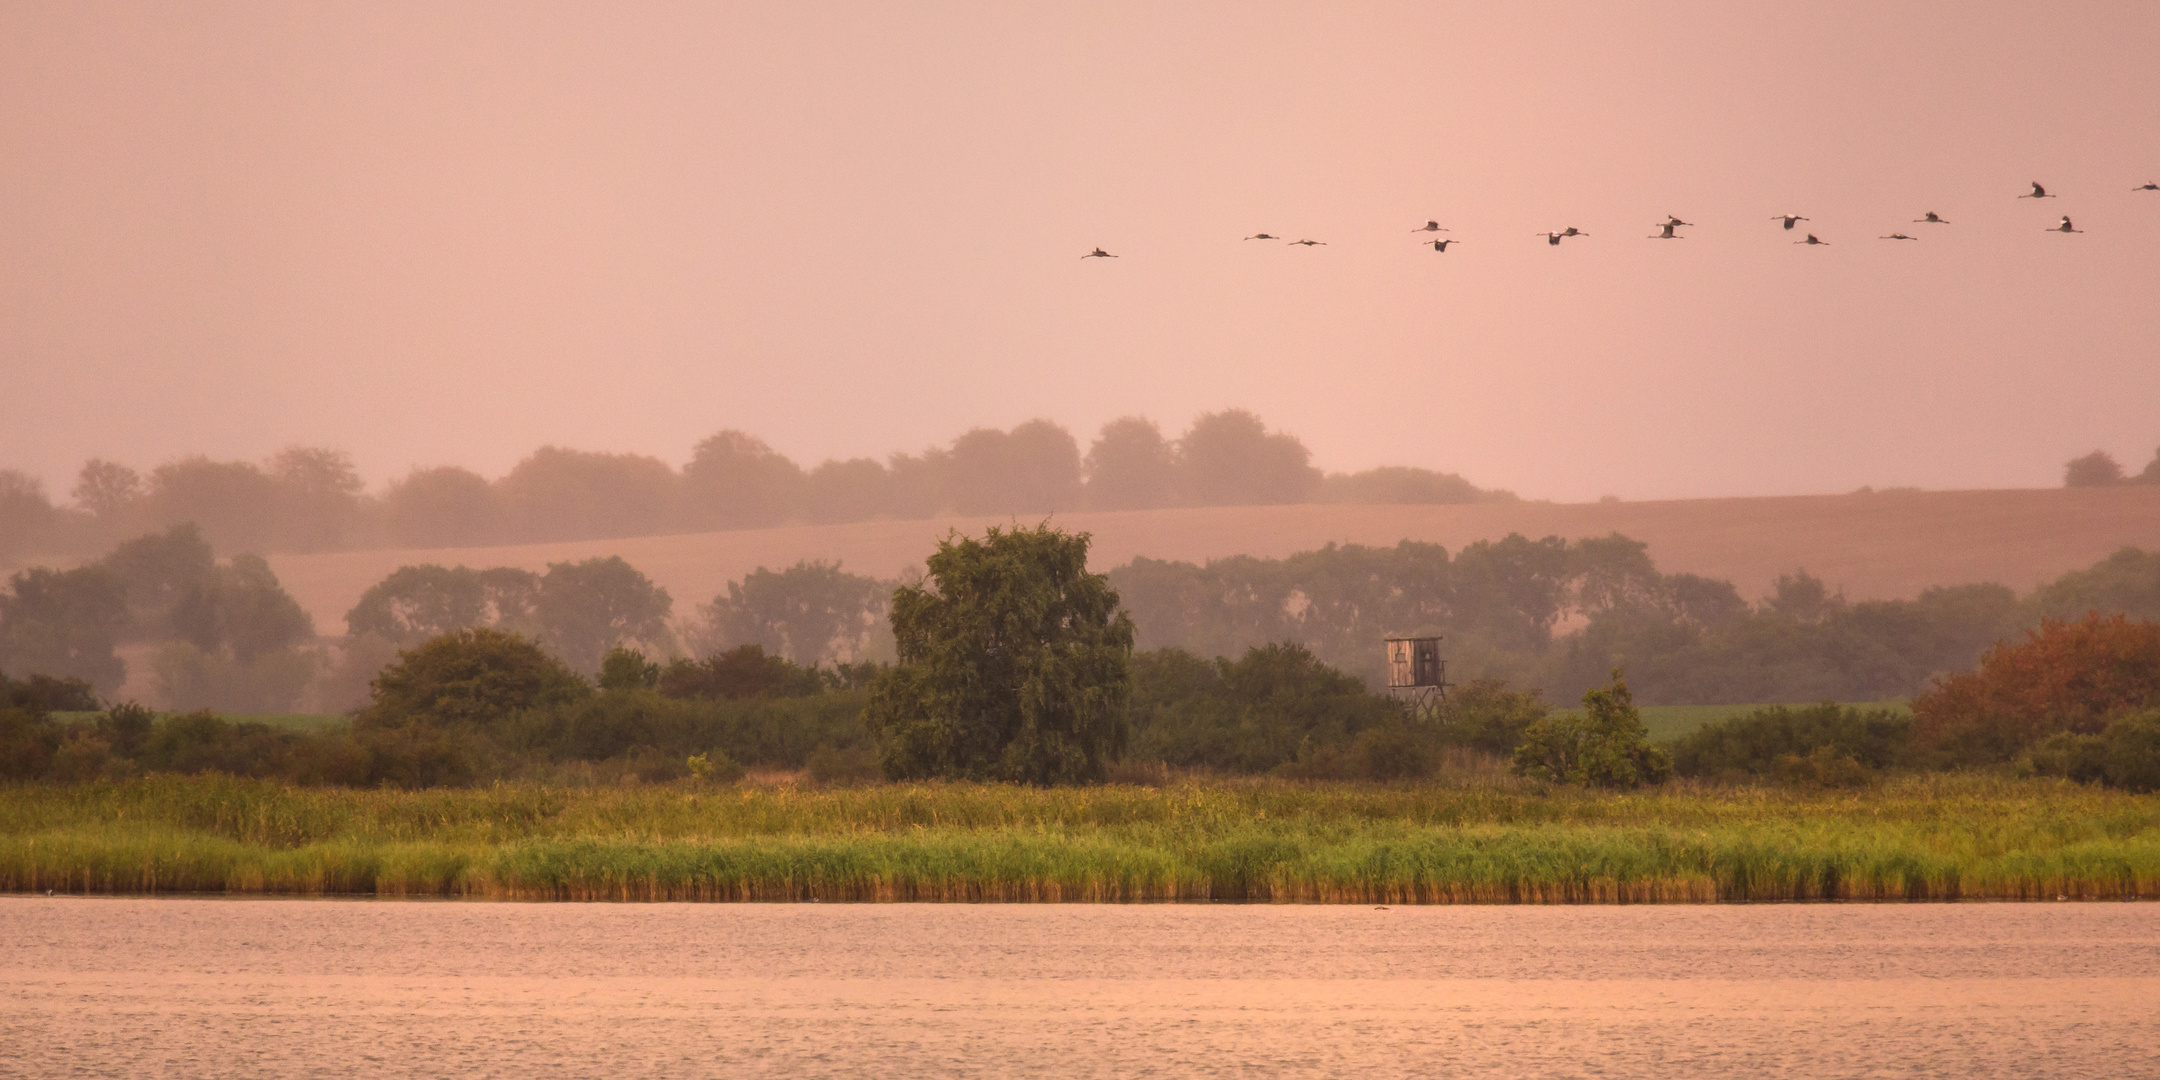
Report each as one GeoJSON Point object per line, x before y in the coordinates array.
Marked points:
{"type": "Point", "coordinates": [1922, 838]}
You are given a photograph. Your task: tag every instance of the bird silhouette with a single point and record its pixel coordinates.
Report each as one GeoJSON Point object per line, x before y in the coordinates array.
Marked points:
{"type": "Point", "coordinates": [1788, 219]}
{"type": "Point", "coordinates": [2064, 227]}
{"type": "Point", "coordinates": [1263, 236]}
{"type": "Point", "coordinates": [2147, 187]}
{"type": "Point", "coordinates": [1811, 241]}
{"type": "Point", "coordinates": [1552, 238]}
{"type": "Point", "coordinates": [1308, 243]}
{"type": "Point", "coordinates": [1897, 236]}
{"type": "Point", "coordinates": [1431, 226]}
{"type": "Point", "coordinates": [1667, 232]}
{"type": "Point", "coordinates": [2038, 192]}
{"type": "Point", "coordinates": [1573, 231]}
{"type": "Point", "coordinates": [1930, 219]}
{"type": "Point", "coordinates": [1672, 222]}
{"type": "Point", "coordinates": [1098, 253]}
{"type": "Point", "coordinates": [1441, 245]}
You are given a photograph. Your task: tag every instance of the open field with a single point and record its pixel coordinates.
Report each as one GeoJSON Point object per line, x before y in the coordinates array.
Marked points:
{"type": "Point", "coordinates": [1873, 546]}
{"type": "Point", "coordinates": [1480, 840]}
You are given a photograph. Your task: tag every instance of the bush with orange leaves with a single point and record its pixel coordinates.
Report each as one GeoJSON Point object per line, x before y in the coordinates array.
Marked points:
{"type": "Point", "coordinates": [2065, 676]}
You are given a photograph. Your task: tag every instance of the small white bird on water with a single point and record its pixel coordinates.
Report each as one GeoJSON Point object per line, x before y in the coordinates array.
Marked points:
{"type": "Point", "coordinates": [2064, 227]}
{"type": "Point", "coordinates": [1098, 253]}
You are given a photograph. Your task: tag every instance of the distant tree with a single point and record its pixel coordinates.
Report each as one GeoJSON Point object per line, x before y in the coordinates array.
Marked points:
{"type": "Point", "coordinates": [47, 694]}
{"type": "Point", "coordinates": [1773, 741]}
{"type": "Point", "coordinates": [107, 489]}
{"type": "Point", "coordinates": [1131, 467]}
{"type": "Point", "coordinates": [2126, 754]}
{"type": "Point", "coordinates": [1012, 664]}
{"type": "Point", "coordinates": [318, 498]}
{"type": "Point", "coordinates": [1231, 459]}
{"type": "Point", "coordinates": [2151, 473]}
{"type": "Point", "coordinates": [443, 507]}
{"type": "Point", "coordinates": [161, 571]}
{"type": "Point", "coordinates": [1802, 597]}
{"type": "Point", "coordinates": [1606, 746]}
{"type": "Point", "coordinates": [1486, 714]}
{"type": "Point", "coordinates": [2065, 676]}
{"type": "Point", "coordinates": [921, 485]}
{"type": "Point", "coordinates": [2126, 583]}
{"type": "Point", "coordinates": [2097, 469]}
{"type": "Point", "coordinates": [857, 489]}
{"type": "Point", "coordinates": [627, 670]}
{"type": "Point", "coordinates": [735, 481]}
{"type": "Point", "coordinates": [253, 612]}
{"type": "Point", "coordinates": [810, 613]}
{"type": "Point", "coordinates": [234, 502]}
{"type": "Point", "coordinates": [558, 494]}
{"type": "Point", "coordinates": [471, 678]}
{"type": "Point", "coordinates": [1265, 710]}
{"type": "Point", "coordinates": [239, 643]}
{"type": "Point", "coordinates": [63, 624]}
{"type": "Point", "coordinates": [586, 608]}
{"type": "Point", "coordinates": [25, 513]}
{"type": "Point", "coordinates": [1033, 469]}
{"type": "Point", "coordinates": [743, 672]}
{"type": "Point", "coordinates": [1396, 484]}
{"type": "Point", "coordinates": [416, 603]}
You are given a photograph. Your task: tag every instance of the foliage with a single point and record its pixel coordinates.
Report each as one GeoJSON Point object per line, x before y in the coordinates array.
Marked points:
{"type": "Point", "coordinates": [742, 672]}
{"type": "Point", "coordinates": [2065, 676]}
{"type": "Point", "coordinates": [735, 481]}
{"type": "Point", "coordinates": [1486, 715]}
{"type": "Point", "coordinates": [416, 603]}
{"type": "Point", "coordinates": [1013, 664]}
{"type": "Point", "coordinates": [1131, 467]}
{"type": "Point", "coordinates": [2126, 583]}
{"type": "Point", "coordinates": [2097, 469]}
{"type": "Point", "coordinates": [627, 669]}
{"type": "Point", "coordinates": [586, 608]}
{"type": "Point", "coordinates": [2125, 754]}
{"type": "Point", "coordinates": [810, 613]}
{"type": "Point", "coordinates": [63, 624]}
{"type": "Point", "coordinates": [44, 693]}
{"type": "Point", "coordinates": [186, 677]}
{"type": "Point", "coordinates": [469, 679]}
{"type": "Point", "coordinates": [1770, 742]}
{"type": "Point", "coordinates": [1270, 708]}
{"type": "Point", "coordinates": [443, 507]}
{"type": "Point", "coordinates": [1605, 747]}
{"type": "Point", "coordinates": [559, 494]}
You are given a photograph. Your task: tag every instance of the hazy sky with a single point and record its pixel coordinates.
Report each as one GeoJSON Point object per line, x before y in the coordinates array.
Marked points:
{"type": "Point", "coordinates": [447, 233]}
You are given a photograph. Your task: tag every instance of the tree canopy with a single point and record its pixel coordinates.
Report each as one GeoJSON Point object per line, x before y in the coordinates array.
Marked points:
{"type": "Point", "coordinates": [1013, 664]}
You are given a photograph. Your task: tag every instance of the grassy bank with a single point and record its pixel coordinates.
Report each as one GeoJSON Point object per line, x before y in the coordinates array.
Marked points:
{"type": "Point", "coordinates": [1924, 838]}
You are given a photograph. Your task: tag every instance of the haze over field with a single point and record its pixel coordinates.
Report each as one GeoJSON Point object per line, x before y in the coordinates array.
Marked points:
{"type": "Point", "coordinates": [434, 234]}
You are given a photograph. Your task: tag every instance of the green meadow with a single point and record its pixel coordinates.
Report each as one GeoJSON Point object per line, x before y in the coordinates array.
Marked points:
{"type": "Point", "coordinates": [1475, 837]}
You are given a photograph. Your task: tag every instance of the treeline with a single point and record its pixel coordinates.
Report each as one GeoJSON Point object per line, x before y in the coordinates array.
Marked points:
{"type": "Point", "coordinates": [1561, 615]}
{"type": "Point", "coordinates": [2100, 469]}
{"type": "Point", "coordinates": [311, 499]}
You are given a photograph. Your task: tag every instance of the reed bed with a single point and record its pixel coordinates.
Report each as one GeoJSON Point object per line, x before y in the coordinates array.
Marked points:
{"type": "Point", "coordinates": [1919, 838]}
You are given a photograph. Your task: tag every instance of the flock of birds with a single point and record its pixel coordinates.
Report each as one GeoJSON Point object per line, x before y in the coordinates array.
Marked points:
{"type": "Point", "coordinates": [1667, 229]}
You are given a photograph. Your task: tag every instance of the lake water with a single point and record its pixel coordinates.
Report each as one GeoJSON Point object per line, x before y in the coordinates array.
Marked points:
{"type": "Point", "coordinates": [225, 988]}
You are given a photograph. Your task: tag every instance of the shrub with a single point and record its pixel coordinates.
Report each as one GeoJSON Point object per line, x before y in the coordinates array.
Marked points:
{"type": "Point", "coordinates": [1275, 705]}
{"type": "Point", "coordinates": [829, 764]}
{"type": "Point", "coordinates": [746, 671]}
{"type": "Point", "coordinates": [1606, 746]}
{"type": "Point", "coordinates": [2126, 754]}
{"type": "Point", "coordinates": [1766, 742]}
{"type": "Point", "coordinates": [2065, 676]}
{"type": "Point", "coordinates": [471, 678]}
{"type": "Point", "coordinates": [1484, 714]}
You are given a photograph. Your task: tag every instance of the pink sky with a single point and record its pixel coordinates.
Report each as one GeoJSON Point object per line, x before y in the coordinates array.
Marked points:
{"type": "Point", "coordinates": [447, 233]}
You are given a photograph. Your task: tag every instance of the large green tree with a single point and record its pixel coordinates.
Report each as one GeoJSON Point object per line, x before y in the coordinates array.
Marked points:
{"type": "Point", "coordinates": [1013, 664]}
{"type": "Point", "coordinates": [1605, 746]}
{"type": "Point", "coordinates": [809, 613]}
{"type": "Point", "coordinates": [586, 608]}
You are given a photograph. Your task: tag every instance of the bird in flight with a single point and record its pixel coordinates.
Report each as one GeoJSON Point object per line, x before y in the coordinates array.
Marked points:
{"type": "Point", "coordinates": [1441, 245]}
{"type": "Point", "coordinates": [2149, 186]}
{"type": "Point", "coordinates": [1788, 219]}
{"type": "Point", "coordinates": [1573, 231]}
{"type": "Point", "coordinates": [1552, 238]}
{"type": "Point", "coordinates": [1897, 236]}
{"type": "Point", "coordinates": [1431, 226]}
{"type": "Point", "coordinates": [1098, 253]}
{"type": "Point", "coordinates": [1930, 219]}
{"type": "Point", "coordinates": [1811, 241]}
{"type": "Point", "coordinates": [1666, 231]}
{"type": "Point", "coordinates": [2038, 192]}
{"type": "Point", "coordinates": [2064, 227]}
{"type": "Point", "coordinates": [1263, 236]}
{"type": "Point", "coordinates": [1673, 222]}
{"type": "Point", "coordinates": [1308, 243]}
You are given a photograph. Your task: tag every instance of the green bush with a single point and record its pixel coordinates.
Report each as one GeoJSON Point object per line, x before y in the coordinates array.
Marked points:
{"type": "Point", "coordinates": [1274, 706]}
{"type": "Point", "coordinates": [1766, 742]}
{"type": "Point", "coordinates": [1605, 747]}
{"type": "Point", "coordinates": [2126, 754]}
